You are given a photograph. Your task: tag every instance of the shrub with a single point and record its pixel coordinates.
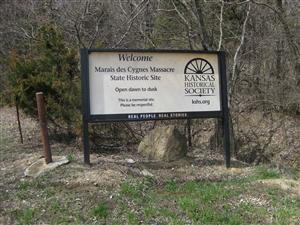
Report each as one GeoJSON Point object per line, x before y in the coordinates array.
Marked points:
{"type": "Point", "coordinates": [52, 68]}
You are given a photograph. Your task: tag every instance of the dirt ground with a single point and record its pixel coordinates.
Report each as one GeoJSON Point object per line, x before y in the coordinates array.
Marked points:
{"type": "Point", "coordinates": [86, 184]}
{"type": "Point", "coordinates": [106, 168]}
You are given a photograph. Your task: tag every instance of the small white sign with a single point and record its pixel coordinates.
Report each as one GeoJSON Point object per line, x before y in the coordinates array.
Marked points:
{"type": "Point", "coordinates": [153, 82]}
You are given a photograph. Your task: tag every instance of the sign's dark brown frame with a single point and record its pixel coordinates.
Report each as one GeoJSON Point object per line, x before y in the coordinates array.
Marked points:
{"type": "Point", "coordinates": [88, 118]}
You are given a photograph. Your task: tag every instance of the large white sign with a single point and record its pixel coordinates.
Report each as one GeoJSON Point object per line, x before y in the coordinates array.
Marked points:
{"type": "Point", "coordinates": [153, 82]}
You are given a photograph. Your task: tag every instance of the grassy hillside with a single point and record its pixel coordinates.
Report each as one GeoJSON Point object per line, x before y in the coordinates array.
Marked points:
{"type": "Point", "coordinates": [112, 191]}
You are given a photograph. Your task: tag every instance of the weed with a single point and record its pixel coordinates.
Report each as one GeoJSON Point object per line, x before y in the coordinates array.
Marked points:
{"type": "Point", "coordinates": [264, 172]}
{"type": "Point", "coordinates": [71, 157]}
{"type": "Point", "coordinates": [294, 173]}
{"type": "Point", "coordinates": [210, 192]}
{"type": "Point", "coordinates": [132, 218]}
{"type": "Point", "coordinates": [130, 190]}
{"type": "Point", "coordinates": [55, 206]}
{"type": "Point", "coordinates": [167, 213]}
{"type": "Point", "coordinates": [191, 186]}
{"type": "Point", "coordinates": [48, 192]}
{"type": "Point", "coordinates": [101, 211]}
{"type": "Point", "coordinates": [190, 207]}
{"type": "Point", "coordinates": [171, 186]}
{"type": "Point", "coordinates": [24, 185]}
{"type": "Point", "coordinates": [23, 190]}
{"type": "Point", "coordinates": [25, 216]}
{"type": "Point", "coordinates": [149, 211]}
{"type": "Point", "coordinates": [22, 194]}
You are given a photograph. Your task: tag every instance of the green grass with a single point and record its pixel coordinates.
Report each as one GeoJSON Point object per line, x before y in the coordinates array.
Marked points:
{"type": "Point", "coordinates": [132, 218]}
{"type": "Point", "coordinates": [234, 201]}
{"type": "Point", "coordinates": [25, 216]}
{"type": "Point", "coordinates": [286, 207]}
{"type": "Point", "coordinates": [131, 190]}
{"type": "Point", "coordinates": [101, 210]}
{"type": "Point", "coordinates": [230, 202]}
{"type": "Point", "coordinates": [264, 172]}
{"type": "Point", "coordinates": [4, 142]}
{"type": "Point", "coordinates": [71, 157]}
{"type": "Point", "coordinates": [295, 173]}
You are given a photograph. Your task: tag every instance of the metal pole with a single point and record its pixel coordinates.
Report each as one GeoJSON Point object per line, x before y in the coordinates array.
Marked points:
{"type": "Point", "coordinates": [85, 104]}
{"type": "Point", "coordinates": [189, 132]}
{"type": "Point", "coordinates": [43, 125]}
{"type": "Point", "coordinates": [86, 144]}
{"type": "Point", "coordinates": [226, 139]}
{"type": "Point", "coordinates": [225, 119]}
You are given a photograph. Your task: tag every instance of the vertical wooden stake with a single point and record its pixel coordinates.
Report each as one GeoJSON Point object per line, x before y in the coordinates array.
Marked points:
{"type": "Point", "coordinates": [44, 128]}
{"type": "Point", "coordinates": [19, 122]}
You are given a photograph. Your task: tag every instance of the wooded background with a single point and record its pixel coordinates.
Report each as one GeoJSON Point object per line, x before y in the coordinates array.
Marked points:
{"type": "Point", "coordinates": [39, 51]}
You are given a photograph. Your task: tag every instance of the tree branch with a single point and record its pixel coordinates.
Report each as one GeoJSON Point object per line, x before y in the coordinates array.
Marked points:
{"type": "Point", "coordinates": [96, 30]}
{"type": "Point", "coordinates": [130, 22]}
{"type": "Point", "coordinates": [220, 25]}
{"type": "Point", "coordinates": [235, 58]}
{"type": "Point", "coordinates": [186, 22]}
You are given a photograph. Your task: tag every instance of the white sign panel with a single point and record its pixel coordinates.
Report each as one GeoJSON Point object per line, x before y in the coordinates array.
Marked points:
{"type": "Point", "coordinates": [153, 82]}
